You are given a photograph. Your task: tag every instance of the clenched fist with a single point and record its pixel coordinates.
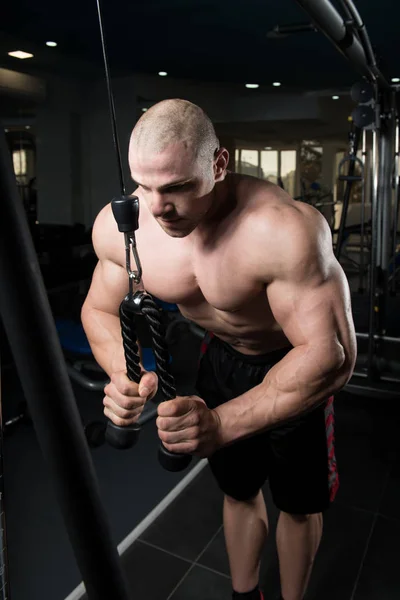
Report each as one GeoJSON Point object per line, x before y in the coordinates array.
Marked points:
{"type": "Point", "coordinates": [187, 426]}
{"type": "Point", "coordinates": [125, 399]}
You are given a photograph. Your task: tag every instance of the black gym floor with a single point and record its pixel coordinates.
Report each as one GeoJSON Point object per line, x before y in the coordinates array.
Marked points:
{"type": "Point", "coordinates": [181, 556]}
{"type": "Point", "coordinates": [358, 557]}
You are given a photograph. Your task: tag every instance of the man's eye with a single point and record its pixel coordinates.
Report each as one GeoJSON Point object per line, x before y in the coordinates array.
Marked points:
{"type": "Point", "coordinates": [179, 188]}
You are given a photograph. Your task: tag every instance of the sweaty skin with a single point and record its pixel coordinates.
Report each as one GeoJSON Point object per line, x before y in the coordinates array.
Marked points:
{"type": "Point", "coordinates": [254, 267]}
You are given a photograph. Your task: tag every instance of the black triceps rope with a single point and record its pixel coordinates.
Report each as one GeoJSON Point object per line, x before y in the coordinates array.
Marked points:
{"type": "Point", "coordinates": [126, 213]}
{"type": "Point", "coordinates": [131, 306]}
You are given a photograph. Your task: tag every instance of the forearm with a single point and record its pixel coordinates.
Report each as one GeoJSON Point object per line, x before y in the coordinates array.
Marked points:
{"type": "Point", "coordinates": [104, 335]}
{"type": "Point", "coordinates": [298, 383]}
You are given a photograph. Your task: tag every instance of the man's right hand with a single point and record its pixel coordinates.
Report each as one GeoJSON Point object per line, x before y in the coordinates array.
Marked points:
{"type": "Point", "coordinates": [125, 399]}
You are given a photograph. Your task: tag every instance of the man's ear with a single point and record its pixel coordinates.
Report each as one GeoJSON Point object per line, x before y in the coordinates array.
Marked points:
{"type": "Point", "coordinates": [221, 161]}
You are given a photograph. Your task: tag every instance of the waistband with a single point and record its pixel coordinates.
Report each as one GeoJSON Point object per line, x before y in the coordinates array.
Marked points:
{"type": "Point", "coordinates": [273, 356]}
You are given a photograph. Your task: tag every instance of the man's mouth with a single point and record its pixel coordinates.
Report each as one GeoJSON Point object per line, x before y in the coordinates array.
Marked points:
{"type": "Point", "coordinates": [171, 220]}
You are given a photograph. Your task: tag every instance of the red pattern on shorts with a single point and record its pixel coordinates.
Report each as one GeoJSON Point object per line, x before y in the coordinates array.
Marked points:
{"type": "Point", "coordinates": [333, 474]}
{"type": "Point", "coordinates": [205, 343]}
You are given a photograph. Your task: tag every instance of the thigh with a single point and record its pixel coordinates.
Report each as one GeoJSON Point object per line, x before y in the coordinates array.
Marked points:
{"type": "Point", "coordinates": [303, 475]}
{"type": "Point", "coordinates": [242, 468]}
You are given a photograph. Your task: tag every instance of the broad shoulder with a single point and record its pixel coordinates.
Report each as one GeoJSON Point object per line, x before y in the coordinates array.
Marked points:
{"type": "Point", "coordinates": [285, 235]}
{"type": "Point", "coordinates": [108, 242]}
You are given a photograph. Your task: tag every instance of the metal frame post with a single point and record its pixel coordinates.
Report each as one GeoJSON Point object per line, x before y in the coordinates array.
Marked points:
{"type": "Point", "coordinates": [32, 335]}
{"type": "Point", "coordinates": [374, 249]}
{"type": "Point", "coordinates": [385, 192]}
{"type": "Point", "coordinates": [385, 188]}
{"type": "Point", "coordinates": [363, 199]}
{"type": "Point", "coordinates": [396, 188]}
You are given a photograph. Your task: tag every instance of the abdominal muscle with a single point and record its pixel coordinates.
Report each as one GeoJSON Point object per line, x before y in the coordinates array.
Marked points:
{"type": "Point", "coordinates": [250, 331]}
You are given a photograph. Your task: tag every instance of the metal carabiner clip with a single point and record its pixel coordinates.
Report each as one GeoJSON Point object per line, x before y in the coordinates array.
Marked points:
{"type": "Point", "coordinates": [134, 276]}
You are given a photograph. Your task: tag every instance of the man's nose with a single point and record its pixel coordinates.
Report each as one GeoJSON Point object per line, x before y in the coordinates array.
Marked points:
{"type": "Point", "coordinates": [160, 206]}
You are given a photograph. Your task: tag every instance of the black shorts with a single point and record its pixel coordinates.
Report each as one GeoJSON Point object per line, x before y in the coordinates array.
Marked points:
{"type": "Point", "coordinates": [297, 458]}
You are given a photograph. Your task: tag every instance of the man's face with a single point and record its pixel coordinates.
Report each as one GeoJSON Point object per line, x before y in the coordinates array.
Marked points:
{"type": "Point", "coordinates": [176, 188]}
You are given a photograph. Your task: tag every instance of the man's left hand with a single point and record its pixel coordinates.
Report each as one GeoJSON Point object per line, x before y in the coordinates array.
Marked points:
{"type": "Point", "coordinates": [187, 426]}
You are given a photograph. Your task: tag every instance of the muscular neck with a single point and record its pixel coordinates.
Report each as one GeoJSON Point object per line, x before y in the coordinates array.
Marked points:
{"type": "Point", "coordinates": [223, 203]}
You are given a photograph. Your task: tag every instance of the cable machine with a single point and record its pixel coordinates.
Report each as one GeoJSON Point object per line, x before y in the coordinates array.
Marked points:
{"type": "Point", "coordinates": [377, 372]}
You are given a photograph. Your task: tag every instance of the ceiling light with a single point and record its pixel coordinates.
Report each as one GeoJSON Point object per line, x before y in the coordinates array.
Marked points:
{"type": "Point", "coordinates": [277, 84]}
{"type": "Point", "coordinates": [27, 126]}
{"type": "Point", "coordinates": [20, 54]}
{"type": "Point", "coordinates": [163, 73]}
{"type": "Point", "coordinates": [51, 44]}
{"type": "Point", "coordinates": [252, 86]}
{"type": "Point", "coordinates": [335, 97]}
{"type": "Point", "coordinates": [268, 148]}
{"type": "Point", "coordinates": [6, 130]}
{"type": "Point", "coordinates": [144, 109]}
{"type": "Point", "coordinates": [395, 79]}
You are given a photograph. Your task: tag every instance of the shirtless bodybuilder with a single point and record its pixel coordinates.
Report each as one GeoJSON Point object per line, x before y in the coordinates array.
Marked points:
{"type": "Point", "coordinates": [256, 270]}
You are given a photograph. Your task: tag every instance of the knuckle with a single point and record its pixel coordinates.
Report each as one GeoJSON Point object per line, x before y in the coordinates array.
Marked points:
{"type": "Point", "coordinates": [168, 437]}
{"type": "Point", "coordinates": [194, 433]}
{"type": "Point", "coordinates": [132, 420]}
{"type": "Point", "coordinates": [138, 410]}
{"type": "Point", "coordinates": [129, 414]}
{"type": "Point", "coordinates": [192, 447]}
{"type": "Point", "coordinates": [126, 403]}
{"type": "Point", "coordinates": [124, 388]}
{"type": "Point", "coordinates": [168, 408]}
{"type": "Point", "coordinates": [121, 403]}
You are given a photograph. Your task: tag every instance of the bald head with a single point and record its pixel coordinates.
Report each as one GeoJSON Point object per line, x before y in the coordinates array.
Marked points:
{"type": "Point", "coordinates": [176, 163]}
{"type": "Point", "coordinates": [174, 122]}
